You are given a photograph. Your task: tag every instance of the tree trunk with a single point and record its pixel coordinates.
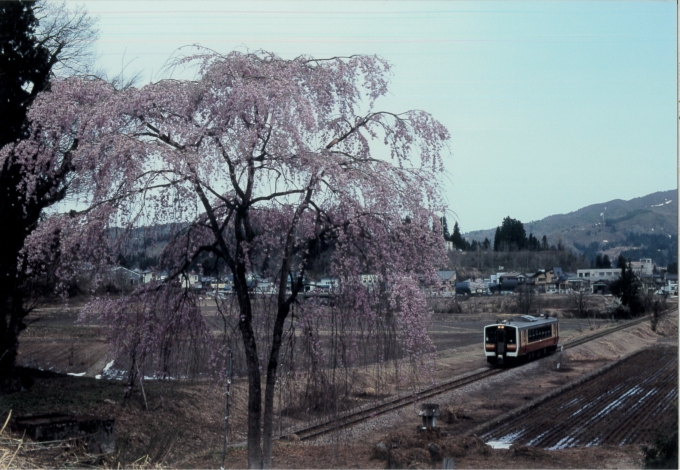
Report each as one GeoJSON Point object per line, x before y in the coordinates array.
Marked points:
{"type": "Point", "coordinates": [268, 424]}
{"type": "Point", "coordinates": [19, 219]}
{"type": "Point", "coordinates": [11, 324]}
{"type": "Point", "coordinates": [254, 376]}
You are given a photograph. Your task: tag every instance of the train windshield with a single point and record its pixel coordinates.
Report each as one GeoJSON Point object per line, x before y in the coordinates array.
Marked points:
{"type": "Point", "coordinates": [510, 334]}
{"type": "Point", "coordinates": [490, 334]}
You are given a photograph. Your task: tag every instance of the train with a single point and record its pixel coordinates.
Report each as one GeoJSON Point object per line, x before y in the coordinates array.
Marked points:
{"type": "Point", "coordinates": [510, 342]}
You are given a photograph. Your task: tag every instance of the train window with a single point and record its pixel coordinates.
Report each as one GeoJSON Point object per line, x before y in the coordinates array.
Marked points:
{"type": "Point", "coordinates": [536, 334]}
{"type": "Point", "coordinates": [490, 334]}
{"type": "Point", "coordinates": [511, 335]}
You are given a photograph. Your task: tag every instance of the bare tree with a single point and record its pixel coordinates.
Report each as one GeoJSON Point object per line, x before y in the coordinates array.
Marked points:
{"type": "Point", "coordinates": [68, 35]}
{"type": "Point", "coordinates": [524, 298]}
{"type": "Point", "coordinates": [579, 298]}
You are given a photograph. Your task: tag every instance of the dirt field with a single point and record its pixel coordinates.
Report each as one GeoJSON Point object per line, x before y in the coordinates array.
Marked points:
{"type": "Point", "coordinates": [622, 406]}
{"type": "Point", "coordinates": [183, 427]}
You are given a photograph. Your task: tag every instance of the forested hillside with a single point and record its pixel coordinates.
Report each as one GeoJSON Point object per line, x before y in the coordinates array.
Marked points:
{"type": "Point", "coordinates": [642, 227]}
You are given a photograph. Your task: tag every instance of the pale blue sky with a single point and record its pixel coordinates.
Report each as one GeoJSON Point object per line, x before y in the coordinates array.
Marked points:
{"type": "Point", "coordinates": [551, 106]}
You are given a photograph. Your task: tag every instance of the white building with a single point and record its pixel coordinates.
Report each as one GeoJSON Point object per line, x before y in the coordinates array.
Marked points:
{"type": "Point", "coordinates": [327, 283]}
{"type": "Point", "coordinates": [370, 280]}
{"type": "Point", "coordinates": [599, 274]}
{"type": "Point", "coordinates": [644, 267]}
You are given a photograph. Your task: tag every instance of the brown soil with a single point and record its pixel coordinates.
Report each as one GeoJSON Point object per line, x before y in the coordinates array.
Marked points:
{"type": "Point", "coordinates": [183, 427]}
{"type": "Point", "coordinates": [624, 405]}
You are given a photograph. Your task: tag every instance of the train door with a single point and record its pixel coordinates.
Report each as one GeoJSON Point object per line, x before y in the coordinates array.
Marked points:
{"type": "Point", "coordinates": [500, 342]}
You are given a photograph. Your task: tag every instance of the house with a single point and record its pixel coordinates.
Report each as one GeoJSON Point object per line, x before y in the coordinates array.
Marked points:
{"type": "Point", "coordinates": [494, 279]}
{"type": "Point", "coordinates": [327, 283]}
{"type": "Point", "coordinates": [265, 286]}
{"type": "Point", "coordinates": [125, 279]}
{"type": "Point", "coordinates": [147, 276]}
{"type": "Point", "coordinates": [508, 282]}
{"type": "Point", "coordinates": [599, 274]}
{"type": "Point", "coordinates": [671, 285]}
{"type": "Point", "coordinates": [643, 268]}
{"type": "Point", "coordinates": [569, 282]}
{"type": "Point", "coordinates": [540, 279]}
{"type": "Point", "coordinates": [544, 279]}
{"type": "Point", "coordinates": [599, 287]}
{"type": "Point", "coordinates": [446, 283]}
{"type": "Point", "coordinates": [370, 281]}
{"type": "Point", "coordinates": [478, 287]}
{"type": "Point", "coordinates": [509, 276]}
{"type": "Point", "coordinates": [190, 280]}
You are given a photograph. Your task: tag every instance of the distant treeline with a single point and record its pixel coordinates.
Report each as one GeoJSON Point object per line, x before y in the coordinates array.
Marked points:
{"type": "Point", "coordinates": [510, 236]}
{"type": "Point", "coordinates": [661, 248]}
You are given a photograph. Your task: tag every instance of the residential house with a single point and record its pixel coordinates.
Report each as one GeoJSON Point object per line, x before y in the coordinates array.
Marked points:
{"type": "Point", "coordinates": [265, 286]}
{"type": "Point", "coordinates": [190, 280]}
{"type": "Point", "coordinates": [478, 287]}
{"type": "Point", "coordinates": [671, 285]}
{"type": "Point", "coordinates": [370, 281]}
{"type": "Point", "coordinates": [508, 282]}
{"type": "Point", "coordinates": [540, 279]}
{"type": "Point", "coordinates": [598, 274]}
{"type": "Point", "coordinates": [568, 282]}
{"type": "Point", "coordinates": [643, 268]}
{"type": "Point", "coordinates": [147, 276]}
{"type": "Point", "coordinates": [125, 279]}
{"type": "Point", "coordinates": [446, 284]}
{"type": "Point", "coordinates": [327, 283]}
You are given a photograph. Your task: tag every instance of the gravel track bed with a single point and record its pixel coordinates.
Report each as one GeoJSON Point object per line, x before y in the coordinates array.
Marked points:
{"type": "Point", "coordinates": [409, 414]}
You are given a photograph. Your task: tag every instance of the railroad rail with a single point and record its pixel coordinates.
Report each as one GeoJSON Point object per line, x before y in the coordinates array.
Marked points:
{"type": "Point", "coordinates": [359, 416]}
{"type": "Point", "coordinates": [605, 332]}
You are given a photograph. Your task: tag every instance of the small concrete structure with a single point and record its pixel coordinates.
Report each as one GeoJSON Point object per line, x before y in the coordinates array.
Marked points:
{"type": "Point", "coordinates": [429, 412]}
{"type": "Point", "coordinates": [97, 434]}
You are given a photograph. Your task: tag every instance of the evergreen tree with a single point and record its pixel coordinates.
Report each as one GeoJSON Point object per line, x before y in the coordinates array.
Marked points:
{"type": "Point", "coordinates": [626, 289]}
{"type": "Point", "coordinates": [532, 243]}
{"type": "Point", "coordinates": [544, 243]}
{"type": "Point", "coordinates": [445, 229]}
{"type": "Point", "coordinates": [23, 62]}
{"type": "Point", "coordinates": [621, 262]}
{"type": "Point", "coordinates": [457, 238]}
{"type": "Point", "coordinates": [511, 235]}
{"type": "Point", "coordinates": [598, 261]}
{"type": "Point", "coordinates": [27, 62]}
{"type": "Point", "coordinates": [606, 262]}
{"type": "Point", "coordinates": [486, 244]}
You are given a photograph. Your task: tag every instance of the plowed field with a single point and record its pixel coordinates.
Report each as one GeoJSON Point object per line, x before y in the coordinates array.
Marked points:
{"type": "Point", "coordinates": [622, 406]}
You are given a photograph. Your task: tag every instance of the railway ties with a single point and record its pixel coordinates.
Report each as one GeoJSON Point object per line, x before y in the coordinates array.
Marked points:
{"type": "Point", "coordinates": [605, 332]}
{"type": "Point", "coordinates": [355, 417]}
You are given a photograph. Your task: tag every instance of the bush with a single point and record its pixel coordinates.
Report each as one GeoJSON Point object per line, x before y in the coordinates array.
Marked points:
{"type": "Point", "coordinates": [664, 452]}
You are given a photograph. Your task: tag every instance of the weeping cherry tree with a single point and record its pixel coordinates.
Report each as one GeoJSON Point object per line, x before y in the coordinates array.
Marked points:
{"type": "Point", "coordinates": [259, 158]}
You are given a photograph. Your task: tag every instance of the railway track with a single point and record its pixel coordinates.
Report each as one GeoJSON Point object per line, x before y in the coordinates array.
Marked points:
{"type": "Point", "coordinates": [359, 416]}
{"type": "Point", "coordinates": [605, 332]}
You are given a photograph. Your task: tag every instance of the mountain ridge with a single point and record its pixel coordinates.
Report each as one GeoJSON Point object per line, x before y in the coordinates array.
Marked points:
{"type": "Point", "coordinates": [605, 223]}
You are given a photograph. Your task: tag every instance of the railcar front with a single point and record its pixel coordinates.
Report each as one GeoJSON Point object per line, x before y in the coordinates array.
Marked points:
{"type": "Point", "coordinates": [500, 344]}
{"type": "Point", "coordinates": [508, 342]}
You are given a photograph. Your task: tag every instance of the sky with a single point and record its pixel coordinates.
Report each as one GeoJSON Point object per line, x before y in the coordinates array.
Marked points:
{"type": "Point", "coordinates": [551, 106]}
